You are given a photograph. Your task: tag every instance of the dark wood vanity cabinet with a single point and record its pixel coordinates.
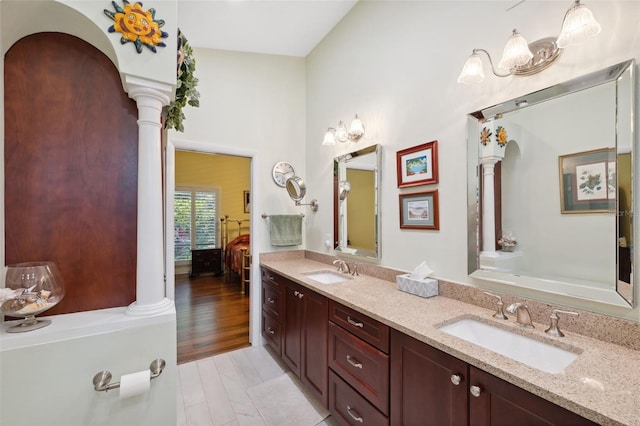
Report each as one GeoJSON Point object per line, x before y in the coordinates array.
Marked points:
{"type": "Point", "coordinates": [272, 309]}
{"type": "Point", "coordinates": [430, 387]}
{"type": "Point", "coordinates": [358, 367]}
{"type": "Point", "coordinates": [304, 344]}
{"type": "Point", "coordinates": [294, 324]}
{"type": "Point", "coordinates": [367, 373]}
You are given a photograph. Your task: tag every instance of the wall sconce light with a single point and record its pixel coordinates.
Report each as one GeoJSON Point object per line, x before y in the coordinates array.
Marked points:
{"type": "Point", "coordinates": [522, 58]}
{"type": "Point", "coordinates": [355, 133]}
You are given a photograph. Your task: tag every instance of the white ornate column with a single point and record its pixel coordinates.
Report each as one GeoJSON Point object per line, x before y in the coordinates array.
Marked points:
{"type": "Point", "coordinates": [491, 152]}
{"type": "Point", "coordinates": [488, 207]}
{"type": "Point", "coordinates": [150, 286]}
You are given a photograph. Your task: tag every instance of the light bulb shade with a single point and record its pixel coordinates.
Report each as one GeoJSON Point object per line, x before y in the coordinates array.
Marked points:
{"type": "Point", "coordinates": [356, 130]}
{"type": "Point", "coordinates": [516, 52]}
{"type": "Point", "coordinates": [341, 132]}
{"type": "Point", "coordinates": [472, 72]}
{"type": "Point", "coordinates": [578, 25]}
{"type": "Point", "coordinates": [329, 138]}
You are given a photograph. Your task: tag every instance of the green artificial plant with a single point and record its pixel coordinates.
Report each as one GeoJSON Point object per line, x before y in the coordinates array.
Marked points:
{"type": "Point", "coordinates": [186, 93]}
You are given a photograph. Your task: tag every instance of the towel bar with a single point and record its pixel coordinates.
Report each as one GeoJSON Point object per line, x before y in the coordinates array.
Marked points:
{"type": "Point", "coordinates": [101, 380]}
{"type": "Point", "coordinates": [264, 215]}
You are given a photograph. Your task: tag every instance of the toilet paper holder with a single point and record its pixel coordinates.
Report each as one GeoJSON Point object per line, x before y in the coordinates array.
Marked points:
{"type": "Point", "coordinates": [101, 381]}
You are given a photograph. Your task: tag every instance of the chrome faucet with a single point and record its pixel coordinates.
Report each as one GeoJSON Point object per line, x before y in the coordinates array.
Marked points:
{"type": "Point", "coordinates": [500, 306]}
{"type": "Point", "coordinates": [342, 266]}
{"type": "Point", "coordinates": [553, 329]}
{"type": "Point", "coordinates": [523, 317]}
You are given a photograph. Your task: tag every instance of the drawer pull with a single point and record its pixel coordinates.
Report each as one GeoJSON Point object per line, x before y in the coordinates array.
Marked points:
{"type": "Point", "coordinates": [354, 322]}
{"type": "Point", "coordinates": [475, 391]}
{"type": "Point", "coordinates": [296, 293]}
{"type": "Point", "coordinates": [354, 362]}
{"type": "Point", "coordinates": [300, 295]}
{"type": "Point", "coordinates": [456, 379]}
{"type": "Point", "coordinates": [355, 416]}
{"type": "Point", "coordinates": [270, 300]}
{"type": "Point", "coordinates": [271, 330]}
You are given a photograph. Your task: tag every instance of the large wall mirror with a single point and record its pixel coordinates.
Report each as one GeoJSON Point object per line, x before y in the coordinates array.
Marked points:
{"type": "Point", "coordinates": [551, 189]}
{"type": "Point", "coordinates": [356, 210]}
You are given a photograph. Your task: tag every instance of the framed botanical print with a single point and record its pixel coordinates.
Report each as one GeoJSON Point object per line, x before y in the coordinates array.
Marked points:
{"type": "Point", "coordinates": [418, 165]}
{"type": "Point", "coordinates": [588, 181]}
{"type": "Point", "coordinates": [419, 210]}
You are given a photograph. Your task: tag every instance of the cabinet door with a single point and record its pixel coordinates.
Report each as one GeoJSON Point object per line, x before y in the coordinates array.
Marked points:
{"type": "Point", "coordinates": [502, 404]}
{"type": "Point", "coordinates": [292, 324]}
{"type": "Point", "coordinates": [314, 344]}
{"type": "Point", "coordinates": [423, 384]}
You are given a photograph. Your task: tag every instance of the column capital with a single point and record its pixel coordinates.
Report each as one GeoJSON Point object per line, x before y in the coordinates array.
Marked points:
{"type": "Point", "coordinates": [141, 89]}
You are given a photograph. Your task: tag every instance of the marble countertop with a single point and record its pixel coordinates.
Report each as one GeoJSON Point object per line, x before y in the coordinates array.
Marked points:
{"type": "Point", "coordinates": [602, 384]}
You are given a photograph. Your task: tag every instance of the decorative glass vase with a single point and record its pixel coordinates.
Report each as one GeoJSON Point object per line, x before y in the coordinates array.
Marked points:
{"type": "Point", "coordinates": [30, 289]}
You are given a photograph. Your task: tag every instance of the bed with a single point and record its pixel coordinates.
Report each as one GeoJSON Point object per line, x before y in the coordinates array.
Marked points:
{"type": "Point", "coordinates": [237, 253]}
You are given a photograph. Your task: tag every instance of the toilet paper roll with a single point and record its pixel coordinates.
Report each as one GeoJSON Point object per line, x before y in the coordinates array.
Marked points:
{"type": "Point", "coordinates": [135, 384]}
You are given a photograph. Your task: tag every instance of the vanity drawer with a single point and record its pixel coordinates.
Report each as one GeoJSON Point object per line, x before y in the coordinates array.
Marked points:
{"type": "Point", "coordinates": [361, 365]}
{"type": "Point", "coordinates": [272, 331]}
{"type": "Point", "coordinates": [271, 300]}
{"type": "Point", "coordinates": [272, 277]}
{"type": "Point", "coordinates": [349, 407]}
{"type": "Point", "coordinates": [368, 329]}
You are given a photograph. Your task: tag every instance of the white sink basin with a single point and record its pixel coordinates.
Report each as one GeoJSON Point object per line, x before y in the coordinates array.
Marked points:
{"type": "Point", "coordinates": [327, 277]}
{"type": "Point", "coordinates": [531, 352]}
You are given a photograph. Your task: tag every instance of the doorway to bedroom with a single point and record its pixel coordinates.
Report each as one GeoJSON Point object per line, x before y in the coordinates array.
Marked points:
{"type": "Point", "coordinates": [212, 205]}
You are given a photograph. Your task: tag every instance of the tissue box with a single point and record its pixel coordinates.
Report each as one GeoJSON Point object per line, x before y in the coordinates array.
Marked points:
{"type": "Point", "coordinates": [427, 287]}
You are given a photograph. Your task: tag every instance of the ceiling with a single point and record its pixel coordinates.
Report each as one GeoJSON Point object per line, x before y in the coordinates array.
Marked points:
{"type": "Point", "coordinates": [277, 27]}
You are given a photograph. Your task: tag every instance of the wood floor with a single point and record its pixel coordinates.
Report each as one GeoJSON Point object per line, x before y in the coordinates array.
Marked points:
{"type": "Point", "coordinates": [212, 316]}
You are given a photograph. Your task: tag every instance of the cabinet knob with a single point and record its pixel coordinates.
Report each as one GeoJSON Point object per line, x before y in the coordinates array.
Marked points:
{"type": "Point", "coordinates": [270, 330]}
{"type": "Point", "coordinates": [300, 295]}
{"type": "Point", "coordinates": [456, 379]}
{"type": "Point", "coordinates": [354, 415]}
{"type": "Point", "coordinates": [475, 390]}
{"type": "Point", "coordinates": [270, 300]}
{"type": "Point", "coordinates": [296, 293]}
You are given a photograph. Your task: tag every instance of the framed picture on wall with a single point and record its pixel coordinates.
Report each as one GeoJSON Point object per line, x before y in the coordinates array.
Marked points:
{"type": "Point", "coordinates": [588, 181]}
{"type": "Point", "coordinates": [418, 165]}
{"type": "Point", "coordinates": [419, 210]}
{"type": "Point", "coordinates": [247, 201]}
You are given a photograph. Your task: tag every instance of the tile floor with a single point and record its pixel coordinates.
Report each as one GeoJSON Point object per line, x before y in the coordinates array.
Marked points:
{"type": "Point", "coordinates": [216, 391]}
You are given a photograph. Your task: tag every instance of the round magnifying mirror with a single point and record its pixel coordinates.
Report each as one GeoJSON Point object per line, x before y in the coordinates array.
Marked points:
{"type": "Point", "coordinates": [296, 188]}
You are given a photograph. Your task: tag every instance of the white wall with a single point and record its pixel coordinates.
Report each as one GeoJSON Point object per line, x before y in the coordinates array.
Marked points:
{"type": "Point", "coordinates": [253, 103]}
{"type": "Point", "coordinates": [395, 63]}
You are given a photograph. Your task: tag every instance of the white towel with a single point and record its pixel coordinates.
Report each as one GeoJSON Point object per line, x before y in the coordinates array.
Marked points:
{"type": "Point", "coordinates": [286, 230]}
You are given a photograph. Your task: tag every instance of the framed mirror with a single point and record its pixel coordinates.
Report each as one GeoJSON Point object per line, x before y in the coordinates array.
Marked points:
{"type": "Point", "coordinates": [551, 189]}
{"type": "Point", "coordinates": [356, 210]}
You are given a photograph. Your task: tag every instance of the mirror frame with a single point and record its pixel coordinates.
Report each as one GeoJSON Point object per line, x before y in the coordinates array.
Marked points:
{"type": "Point", "coordinates": [515, 281]}
{"type": "Point", "coordinates": [342, 159]}
{"type": "Point", "coordinates": [296, 188]}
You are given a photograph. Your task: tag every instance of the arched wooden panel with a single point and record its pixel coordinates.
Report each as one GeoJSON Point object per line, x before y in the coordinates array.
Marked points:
{"type": "Point", "coordinates": [71, 169]}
